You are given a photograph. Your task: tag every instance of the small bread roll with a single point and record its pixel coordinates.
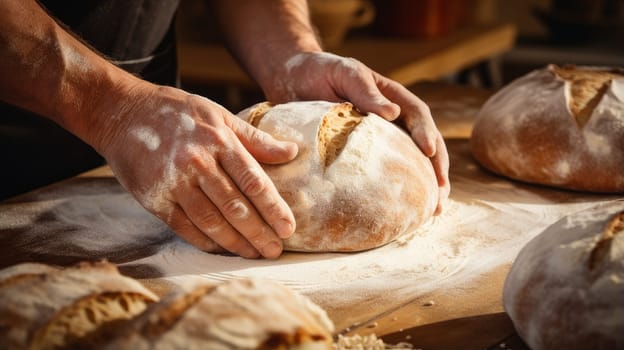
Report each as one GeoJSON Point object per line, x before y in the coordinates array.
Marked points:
{"type": "Point", "coordinates": [357, 182]}
{"type": "Point", "coordinates": [556, 126]}
{"type": "Point", "coordinates": [565, 289]}
{"type": "Point", "coordinates": [42, 307]}
{"type": "Point", "coordinates": [236, 314]}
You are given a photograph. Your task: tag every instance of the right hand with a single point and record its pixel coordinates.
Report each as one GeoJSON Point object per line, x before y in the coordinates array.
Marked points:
{"type": "Point", "coordinates": [191, 163]}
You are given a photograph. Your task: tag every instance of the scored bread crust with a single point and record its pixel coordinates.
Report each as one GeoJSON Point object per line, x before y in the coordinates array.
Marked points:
{"type": "Point", "coordinates": [45, 307]}
{"type": "Point", "coordinates": [358, 181]}
{"type": "Point", "coordinates": [556, 126]}
{"type": "Point", "coordinates": [236, 314]}
{"type": "Point", "coordinates": [565, 289]}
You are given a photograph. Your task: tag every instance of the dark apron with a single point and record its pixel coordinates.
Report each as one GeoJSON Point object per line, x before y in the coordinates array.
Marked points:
{"type": "Point", "coordinates": [136, 35]}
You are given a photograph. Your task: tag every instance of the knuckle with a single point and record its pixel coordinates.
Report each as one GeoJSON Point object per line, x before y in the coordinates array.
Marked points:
{"type": "Point", "coordinates": [236, 208]}
{"type": "Point", "coordinates": [217, 136]}
{"type": "Point", "coordinates": [195, 160]}
{"type": "Point", "coordinates": [232, 243]}
{"type": "Point", "coordinates": [258, 237]}
{"type": "Point", "coordinates": [258, 137]}
{"type": "Point", "coordinates": [209, 221]}
{"type": "Point", "coordinates": [275, 211]}
{"type": "Point", "coordinates": [252, 183]}
{"type": "Point", "coordinates": [180, 227]}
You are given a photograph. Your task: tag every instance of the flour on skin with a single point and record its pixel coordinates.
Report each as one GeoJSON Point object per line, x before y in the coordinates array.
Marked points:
{"type": "Point", "coordinates": [157, 197]}
{"type": "Point", "coordinates": [75, 59]}
{"type": "Point", "coordinates": [238, 210]}
{"type": "Point", "coordinates": [187, 122]}
{"type": "Point", "coordinates": [147, 136]}
{"type": "Point", "coordinates": [323, 59]}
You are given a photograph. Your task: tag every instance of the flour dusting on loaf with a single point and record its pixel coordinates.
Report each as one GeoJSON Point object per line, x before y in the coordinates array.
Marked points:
{"type": "Point", "coordinates": [565, 289]}
{"type": "Point", "coordinates": [44, 307]}
{"type": "Point", "coordinates": [357, 182]}
{"type": "Point", "coordinates": [556, 126]}
{"type": "Point", "coordinates": [586, 89]}
{"type": "Point", "coordinates": [236, 314]}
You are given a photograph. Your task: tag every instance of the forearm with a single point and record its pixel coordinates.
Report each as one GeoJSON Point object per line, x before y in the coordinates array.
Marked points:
{"type": "Point", "coordinates": [46, 70]}
{"type": "Point", "coordinates": [265, 34]}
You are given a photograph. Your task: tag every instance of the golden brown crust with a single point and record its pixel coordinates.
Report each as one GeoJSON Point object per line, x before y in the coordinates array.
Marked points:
{"type": "Point", "coordinates": [56, 307]}
{"type": "Point", "coordinates": [587, 86]}
{"type": "Point", "coordinates": [256, 114]}
{"type": "Point", "coordinates": [236, 314]}
{"type": "Point", "coordinates": [85, 316]}
{"type": "Point", "coordinates": [16, 273]}
{"type": "Point", "coordinates": [335, 128]}
{"type": "Point", "coordinates": [358, 181]}
{"type": "Point", "coordinates": [603, 246]}
{"type": "Point", "coordinates": [538, 129]}
{"type": "Point", "coordinates": [164, 318]}
{"type": "Point", "coordinates": [565, 287]}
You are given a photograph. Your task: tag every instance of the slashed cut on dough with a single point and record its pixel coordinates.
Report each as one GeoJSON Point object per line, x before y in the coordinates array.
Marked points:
{"type": "Point", "coordinates": [358, 181]}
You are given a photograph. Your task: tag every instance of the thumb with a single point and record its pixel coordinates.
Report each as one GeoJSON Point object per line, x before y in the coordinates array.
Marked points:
{"type": "Point", "coordinates": [373, 101]}
{"type": "Point", "coordinates": [261, 145]}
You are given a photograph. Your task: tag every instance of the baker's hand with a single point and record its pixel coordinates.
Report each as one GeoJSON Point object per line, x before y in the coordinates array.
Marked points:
{"type": "Point", "coordinates": [324, 76]}
{"type": "Point", "coordinates": [193, 164]}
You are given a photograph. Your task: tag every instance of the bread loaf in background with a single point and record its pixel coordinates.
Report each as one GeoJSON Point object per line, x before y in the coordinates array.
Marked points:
{"type": "Point", "coordinates": [565, 289]}
{"type": "Point", "coordinates": [357, 182]}
{"type": "Point", "coordinates": [43, 307]}
{"type": "Point", "coordinates": [235, 314]}
{"type": "Point", "coordinates": [556, 126]}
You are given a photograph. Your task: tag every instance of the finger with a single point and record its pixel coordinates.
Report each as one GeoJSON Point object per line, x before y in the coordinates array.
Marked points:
{"type": "Point", "coordinates": [254, 183]}
{"type": "Point", "coordinates": [235, 207]}
{"type": "Point", "coordinates": [183, 227]}
{"type": "Point", "coordinates": [363, 92]}
{"type": "Point", "coordinates": [440, 164]}
{"type": "Point", "coordinates": [206, 217]}
{"type": "Point", "coordinates": [415, 112]}
{"type": "Point", "coordinates": [261, 145]}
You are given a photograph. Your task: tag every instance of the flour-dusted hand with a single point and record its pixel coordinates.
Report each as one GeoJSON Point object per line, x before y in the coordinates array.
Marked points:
{"type": "Point", "coordinates": [287, 61]}
{"type": "Point", "coordinates": [193, 164]}
{"type": "Point", "coordinates": [185, 158]}
{"type": "Point", "coordinates": [325, 76]}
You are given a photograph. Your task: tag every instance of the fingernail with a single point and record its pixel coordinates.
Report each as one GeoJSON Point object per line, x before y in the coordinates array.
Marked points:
{"type": "Point", "coordinates": [284, 228]}
{"type": "Point", "coordinates": [271, 250]}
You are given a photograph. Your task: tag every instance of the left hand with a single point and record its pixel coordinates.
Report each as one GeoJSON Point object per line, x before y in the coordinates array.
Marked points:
{"type": "Point", "coordinates": [325, 76]}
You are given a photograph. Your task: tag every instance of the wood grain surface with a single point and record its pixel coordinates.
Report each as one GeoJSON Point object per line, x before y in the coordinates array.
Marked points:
{"type": "Point", "coordinates": [489, 218]}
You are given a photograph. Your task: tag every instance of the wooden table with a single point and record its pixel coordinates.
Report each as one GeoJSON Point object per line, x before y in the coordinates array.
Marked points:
{"type": "Point", "coordinates": [406, 60]}
{"type": "Point", "coordinates": [465, 316]}
{"type": "Point", "coordinates": [444, 322]}
{"type": "Point", "coordinates": [430, 321]}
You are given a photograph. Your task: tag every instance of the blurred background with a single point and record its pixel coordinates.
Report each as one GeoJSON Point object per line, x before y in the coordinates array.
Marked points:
{"type": "Point", "coordinates": [453, 54]}
{"type": "Point", "coordinates": [478, 43]}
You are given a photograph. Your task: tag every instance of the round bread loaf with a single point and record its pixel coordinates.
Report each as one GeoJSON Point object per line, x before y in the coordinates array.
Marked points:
{"type": "Point", "coordinates": [565, 289]}
{"type": "Point", "coordinates": [556, 126]}
{"type": "Point", "coordinates": [43, 307]}
{"type": "Point", "coordinates": [357, 182]}
{"type": "Point", "coordinates": [235, 314]}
